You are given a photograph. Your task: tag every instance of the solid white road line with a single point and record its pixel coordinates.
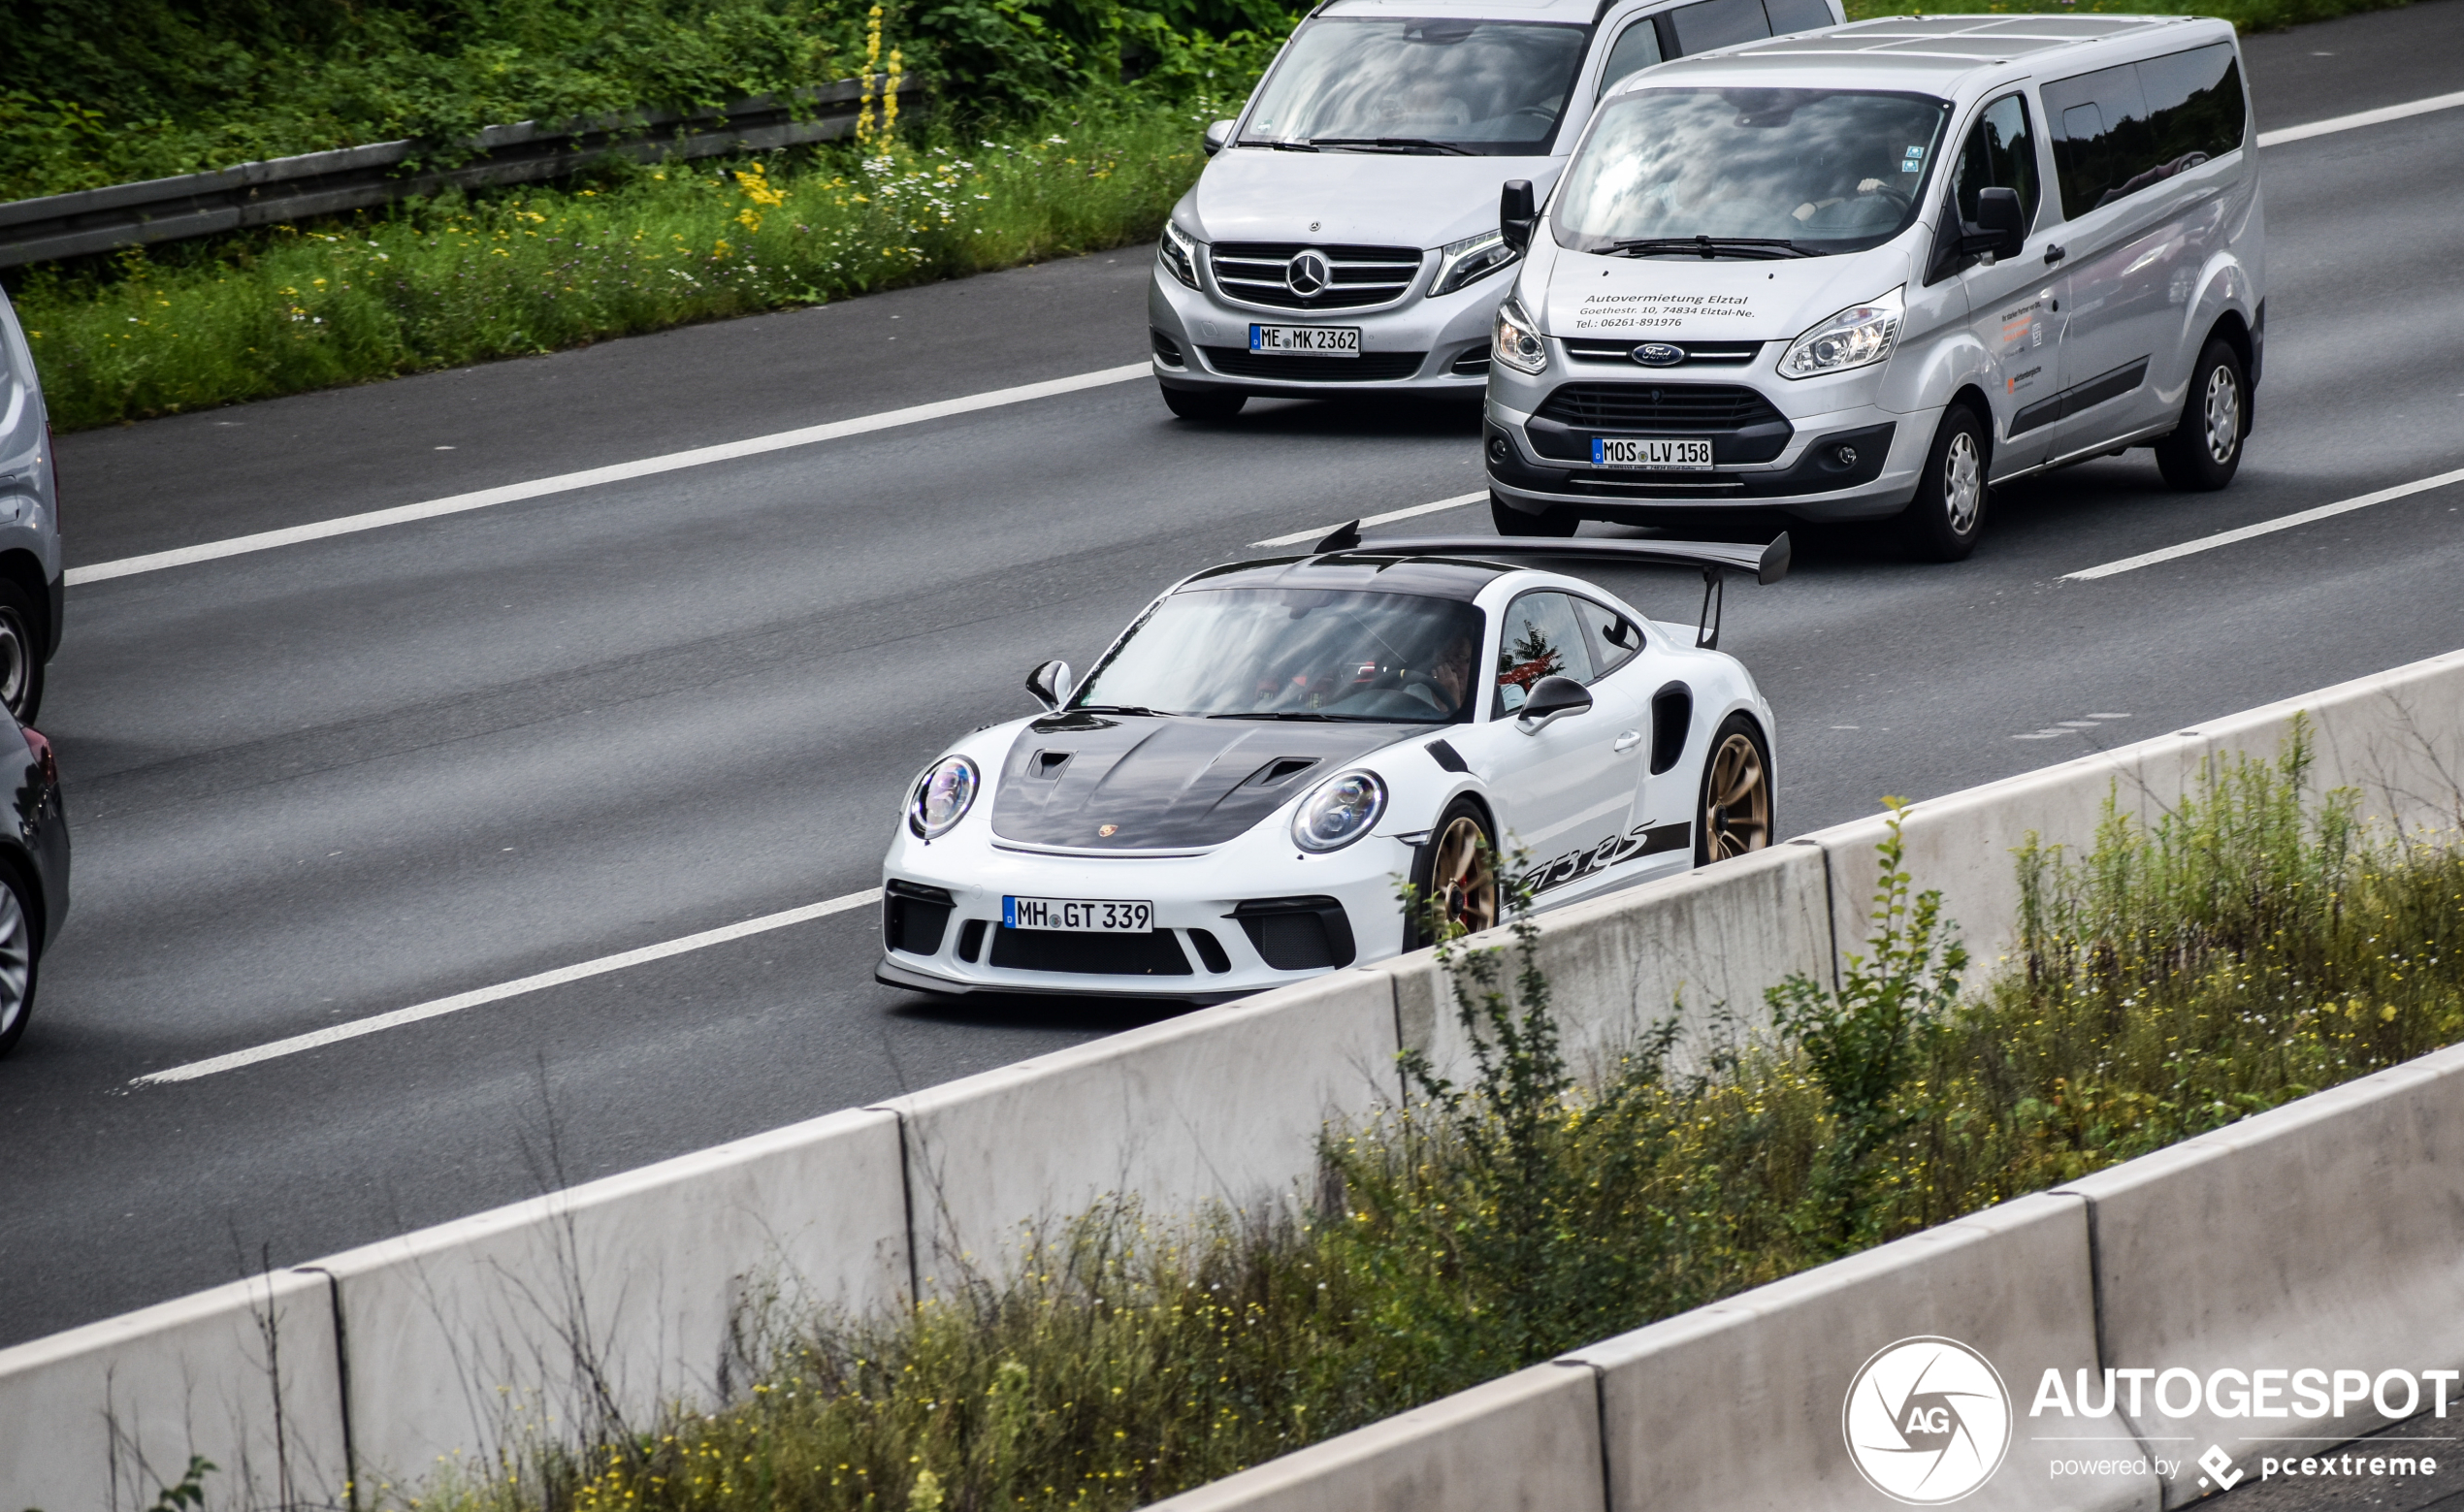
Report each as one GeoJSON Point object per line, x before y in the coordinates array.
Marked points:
{"type": "Point", "coordinates": [1324, 530]}
{"type": "Point", "coordinates": [473, 999]}
{"type": "Point", "coordinates": [2390, 113]}
{"type": "Point", "coordinates": [567, 482]}
{"type": "Point", "coordinates": [2149, 559]}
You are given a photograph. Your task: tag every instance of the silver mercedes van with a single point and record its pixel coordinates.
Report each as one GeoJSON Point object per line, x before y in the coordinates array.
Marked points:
{"type": "Point", "coordinates": [30, 596]}
{"type": "Point", "coordinates": [1342, 237]}
{"type": "Point", "coordinates": [1873, 273]}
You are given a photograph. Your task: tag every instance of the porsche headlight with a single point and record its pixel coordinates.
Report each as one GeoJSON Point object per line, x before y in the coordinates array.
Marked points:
{"type": "Point", "coordinates": [943, 797]}
{"type": "Point", "coordinates": [1855, 337]}
{"type": "Point", "coordinates": [1177, 251]}
{"type": "Point", "coordinates": [1518, 343]}
{"type": "Point", "coordinates": [1460, 263]}
{"type": "Point", "coordinates": [1340, 811]}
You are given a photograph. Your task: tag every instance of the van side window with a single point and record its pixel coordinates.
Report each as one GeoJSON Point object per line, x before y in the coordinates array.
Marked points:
{"type": "Point", "coordinates": [1787, 16]}
{"type": "Point", "coordinates": [2119, 130]}
{"type": "Point", "coordinates": [1637, 49]}
{"type": "Point", "coordinates": [1716, 23]}
{"type": "Point", "coordinates": [1540, 637]}
{"type": "Point", "coordinates": [2000, 153]}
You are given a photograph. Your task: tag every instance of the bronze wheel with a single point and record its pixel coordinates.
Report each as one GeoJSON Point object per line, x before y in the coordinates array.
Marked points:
{"type": "Point", "coordinates": [1461, 875]}
{"type": "Point", "coordinates": [1736, 795]}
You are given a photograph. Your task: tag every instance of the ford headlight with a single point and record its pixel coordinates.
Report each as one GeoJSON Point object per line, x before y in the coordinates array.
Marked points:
{"type": "Point", "coordinates": [943, 797]}
{"type": "Point", "coordinates": [1856, 337]}
{"type": "Point", "coordinates": [1460, 263]}
{"type": "Point", "coordinates": [1339, 812]}
{"type": "Point", "coordinates": [1178, 250]}
{"type": "Point", "coordinates": [1518, 343]}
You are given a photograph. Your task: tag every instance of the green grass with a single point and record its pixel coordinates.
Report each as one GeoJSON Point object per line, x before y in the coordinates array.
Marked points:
{"type": "Point", "coordinates": [2249, 949]}
{"type": "Point", "coordinates": [460, 280]}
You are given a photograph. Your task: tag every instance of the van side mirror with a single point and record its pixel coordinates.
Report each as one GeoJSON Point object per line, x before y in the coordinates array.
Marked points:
{"type": "Point", "coordinates": [1517, 213]}
{"type": "Point", "coordinates": [1552, 699]}
{"type": "Point", "coordinates": [1050, 683]}
{"type": "Point", "coordinates": [1217, 134]}
{"type": "Point", "coordinates": [1999, 228]}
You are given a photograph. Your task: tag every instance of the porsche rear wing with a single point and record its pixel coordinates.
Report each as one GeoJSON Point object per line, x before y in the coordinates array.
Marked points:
{"type": "Point", "coordinates": [1714, 559]}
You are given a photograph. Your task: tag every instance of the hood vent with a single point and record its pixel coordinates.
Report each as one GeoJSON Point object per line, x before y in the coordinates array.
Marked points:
{"type": "Point", "coordinates": [1281, 770]}
{"type": "Point", "coordinates": [1046, 765]}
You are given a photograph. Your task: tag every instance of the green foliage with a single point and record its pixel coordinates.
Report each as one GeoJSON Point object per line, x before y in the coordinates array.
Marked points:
{"type": "Point", "coordinates": [1867, 1042]}
{"type": "Point", "coordinates": [2249, 15]}
{"type": "Point", "coordinates": [457, 280]}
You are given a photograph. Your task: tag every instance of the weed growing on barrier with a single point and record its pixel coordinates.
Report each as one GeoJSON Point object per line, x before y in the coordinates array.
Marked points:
{"type": "Point", "coordinates": [2252, 944]}
{"type": "Point", "coordinates": [460, 280]}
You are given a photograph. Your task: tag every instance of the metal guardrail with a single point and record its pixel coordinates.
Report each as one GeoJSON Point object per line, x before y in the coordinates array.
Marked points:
{"type": "Point", "coordinates": [321, 183]}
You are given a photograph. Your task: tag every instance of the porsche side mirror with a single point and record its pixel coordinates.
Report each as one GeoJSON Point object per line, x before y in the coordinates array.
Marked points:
{"type": "Point", "coordinates": [1552, 699]}
{"type": "Point", "coordinates": [1050, 683]}
{"type": "Point", "coordinates": [1217, 134]}
{"type": "Point", "coordinates": [1517, 212]}
{"type": "Point", "coordinates": [1999, 228]}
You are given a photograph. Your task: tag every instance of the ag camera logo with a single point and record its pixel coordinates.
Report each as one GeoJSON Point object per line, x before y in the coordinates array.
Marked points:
{"type": "Point", "coordinates": [1927, 1420]}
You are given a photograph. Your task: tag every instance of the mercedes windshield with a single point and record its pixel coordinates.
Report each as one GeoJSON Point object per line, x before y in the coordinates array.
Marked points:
{"type": "Point", "coordinates": [1418, 85]}
{"type": "Point", "coordinates": [1748, 173]}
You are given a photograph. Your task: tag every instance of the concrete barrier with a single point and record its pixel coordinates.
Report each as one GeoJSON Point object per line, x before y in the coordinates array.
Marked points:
{"type": "Point", "coordinates": [602, 1303]}
{"type": "Point", "coordinates": [1529, 1442]}
{"type": "Point", "coordinates": [101, 1418]}
{"type": "Point", "coordinates": [2327, 1234]}
{"type": "Point", "coordinates": [1738, 1405]}
{"type": "Point", "coordinates": [2397, 736]}
{"type": "Point", "coordinates": [1619, 964]}
{"type": "Point", "coordinates": [1223, 1105]}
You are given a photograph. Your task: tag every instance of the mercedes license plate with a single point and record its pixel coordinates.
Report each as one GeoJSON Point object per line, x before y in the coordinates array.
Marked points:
{"type": "Point", "coordinates": [1650, 451]}
{"type": "Point", "coordinates": [1305, 340]}
{"type": "Point", "coordinates": [1095, 915]}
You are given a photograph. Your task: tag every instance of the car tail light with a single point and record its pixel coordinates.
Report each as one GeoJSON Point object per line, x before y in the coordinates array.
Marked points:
{"type": "Point", "coordinates": [40, 746]}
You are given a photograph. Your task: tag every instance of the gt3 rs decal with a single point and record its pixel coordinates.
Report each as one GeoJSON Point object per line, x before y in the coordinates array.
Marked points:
{"type": "Point", "coordinates": [1615, 851]}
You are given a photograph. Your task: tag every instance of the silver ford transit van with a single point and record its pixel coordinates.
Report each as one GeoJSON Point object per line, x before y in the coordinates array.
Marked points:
{"type": "Point", "coordinates": [1872, 272]}
{"type": "Point", "coordinates": [1342, 237]}
{"type": "Point", "coordinates": [30, 596]}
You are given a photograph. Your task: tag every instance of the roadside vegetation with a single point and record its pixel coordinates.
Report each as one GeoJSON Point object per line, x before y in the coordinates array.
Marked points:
{"type": "Point", "coordinates": [2249, 949]}
{"type": "Point", "coordinates": [1058, 127]}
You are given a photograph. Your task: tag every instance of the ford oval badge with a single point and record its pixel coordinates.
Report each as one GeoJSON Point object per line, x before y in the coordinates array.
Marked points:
{"type": "Point", "coordinates": [1658, 354]}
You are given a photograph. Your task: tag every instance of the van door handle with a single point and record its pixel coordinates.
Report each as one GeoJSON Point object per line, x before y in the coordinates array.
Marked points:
{"type": "Point", "coordinates": [2054, 254]}
{"type": "Point", "coordinates": [1629, 740]}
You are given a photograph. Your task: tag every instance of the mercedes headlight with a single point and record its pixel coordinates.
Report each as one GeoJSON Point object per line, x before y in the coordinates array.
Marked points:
{"type": "Point", "coordinates": [1518, 342]}
{"type": "Point", "coordinates": [943, 797]}
{"type": "Point", "coordinates": [1177, 251]}
{"type": "Point", "coordinates": [1856, 337]}
{"type": "Point", "coordinates": [1339, 812]}
{"type": "Point", "coordinates": [1473, 258]}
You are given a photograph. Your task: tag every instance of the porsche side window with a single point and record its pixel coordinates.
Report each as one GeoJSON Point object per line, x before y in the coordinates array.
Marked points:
{"type": "Point", "coordinates": [1614, 638]}
{"type": "Point", "coordinates": [1540, 639]}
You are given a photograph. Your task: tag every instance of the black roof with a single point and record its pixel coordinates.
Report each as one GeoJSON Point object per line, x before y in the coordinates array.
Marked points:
{"type": "Point", "coordinates": [1357, 570]}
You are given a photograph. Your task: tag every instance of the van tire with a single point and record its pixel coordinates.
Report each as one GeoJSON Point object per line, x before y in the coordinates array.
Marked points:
{"type": "Point", "coordinates": [1202, 403]}
{"type": "Point", "coordinates": [1943, 522]}
{"type": "Point", "coordinates": [1510, 521]}
{"type": "Point", "coordinates": [2205, 450]}
{"type": "Point", "coordinates": [20, 654]}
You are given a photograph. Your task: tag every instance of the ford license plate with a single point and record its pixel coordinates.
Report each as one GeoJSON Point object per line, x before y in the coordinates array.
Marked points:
{"type": "Point", "coordinates": [1096, 916]}
{"type": "Point", "coordinates": [1650, 451]}
{"type": "Point", "coordinates": [1305, 340]}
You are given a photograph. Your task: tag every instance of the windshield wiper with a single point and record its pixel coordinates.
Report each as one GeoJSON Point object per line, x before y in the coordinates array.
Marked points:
{"type": "Point", "coordinates": [1110, 708]}
{"type": "Point", "coordinates": [1394, 143]}
{"type": "Point", "coordinates": [1282, 144]}
{"type": "Point", "coordinates": [1712, 246]}
{"type": "Point", "coordinates": [1304, 714]}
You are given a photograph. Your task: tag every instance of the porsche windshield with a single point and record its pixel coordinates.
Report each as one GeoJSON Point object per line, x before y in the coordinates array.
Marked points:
{"type": "Point", "coordinates": [1418, 85]}
{"type": "Point", "coordinates": [1748, 173]}
{"type": "Point", "coordinates": [1299, 654]}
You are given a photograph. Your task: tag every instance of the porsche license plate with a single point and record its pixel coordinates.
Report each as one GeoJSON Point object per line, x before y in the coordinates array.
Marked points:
{"type": "Point", "coordinates": [1650, 451]}
{"type": "Point", "coordinates": [1095, 915]}
{"type": "Point", "coordinates": [1305, 340]}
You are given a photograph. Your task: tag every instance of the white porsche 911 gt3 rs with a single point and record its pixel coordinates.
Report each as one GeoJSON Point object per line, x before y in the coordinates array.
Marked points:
{"type": "Point", "coordinates": [1230, 799]}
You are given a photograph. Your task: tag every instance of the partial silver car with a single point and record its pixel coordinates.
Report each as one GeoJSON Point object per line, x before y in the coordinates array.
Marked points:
{"type": "Point", "coordinates": [1343, 237]}
{"type": "Point", "coordinates": [30, 599]}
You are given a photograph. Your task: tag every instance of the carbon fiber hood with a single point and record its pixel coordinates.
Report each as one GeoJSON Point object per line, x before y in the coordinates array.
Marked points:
{"type": "Point", "coordinates": [1162, 781]}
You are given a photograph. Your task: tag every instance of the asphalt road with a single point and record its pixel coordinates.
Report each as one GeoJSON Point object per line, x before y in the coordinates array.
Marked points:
{"type": "Point", "coordinates": [327, 781]}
